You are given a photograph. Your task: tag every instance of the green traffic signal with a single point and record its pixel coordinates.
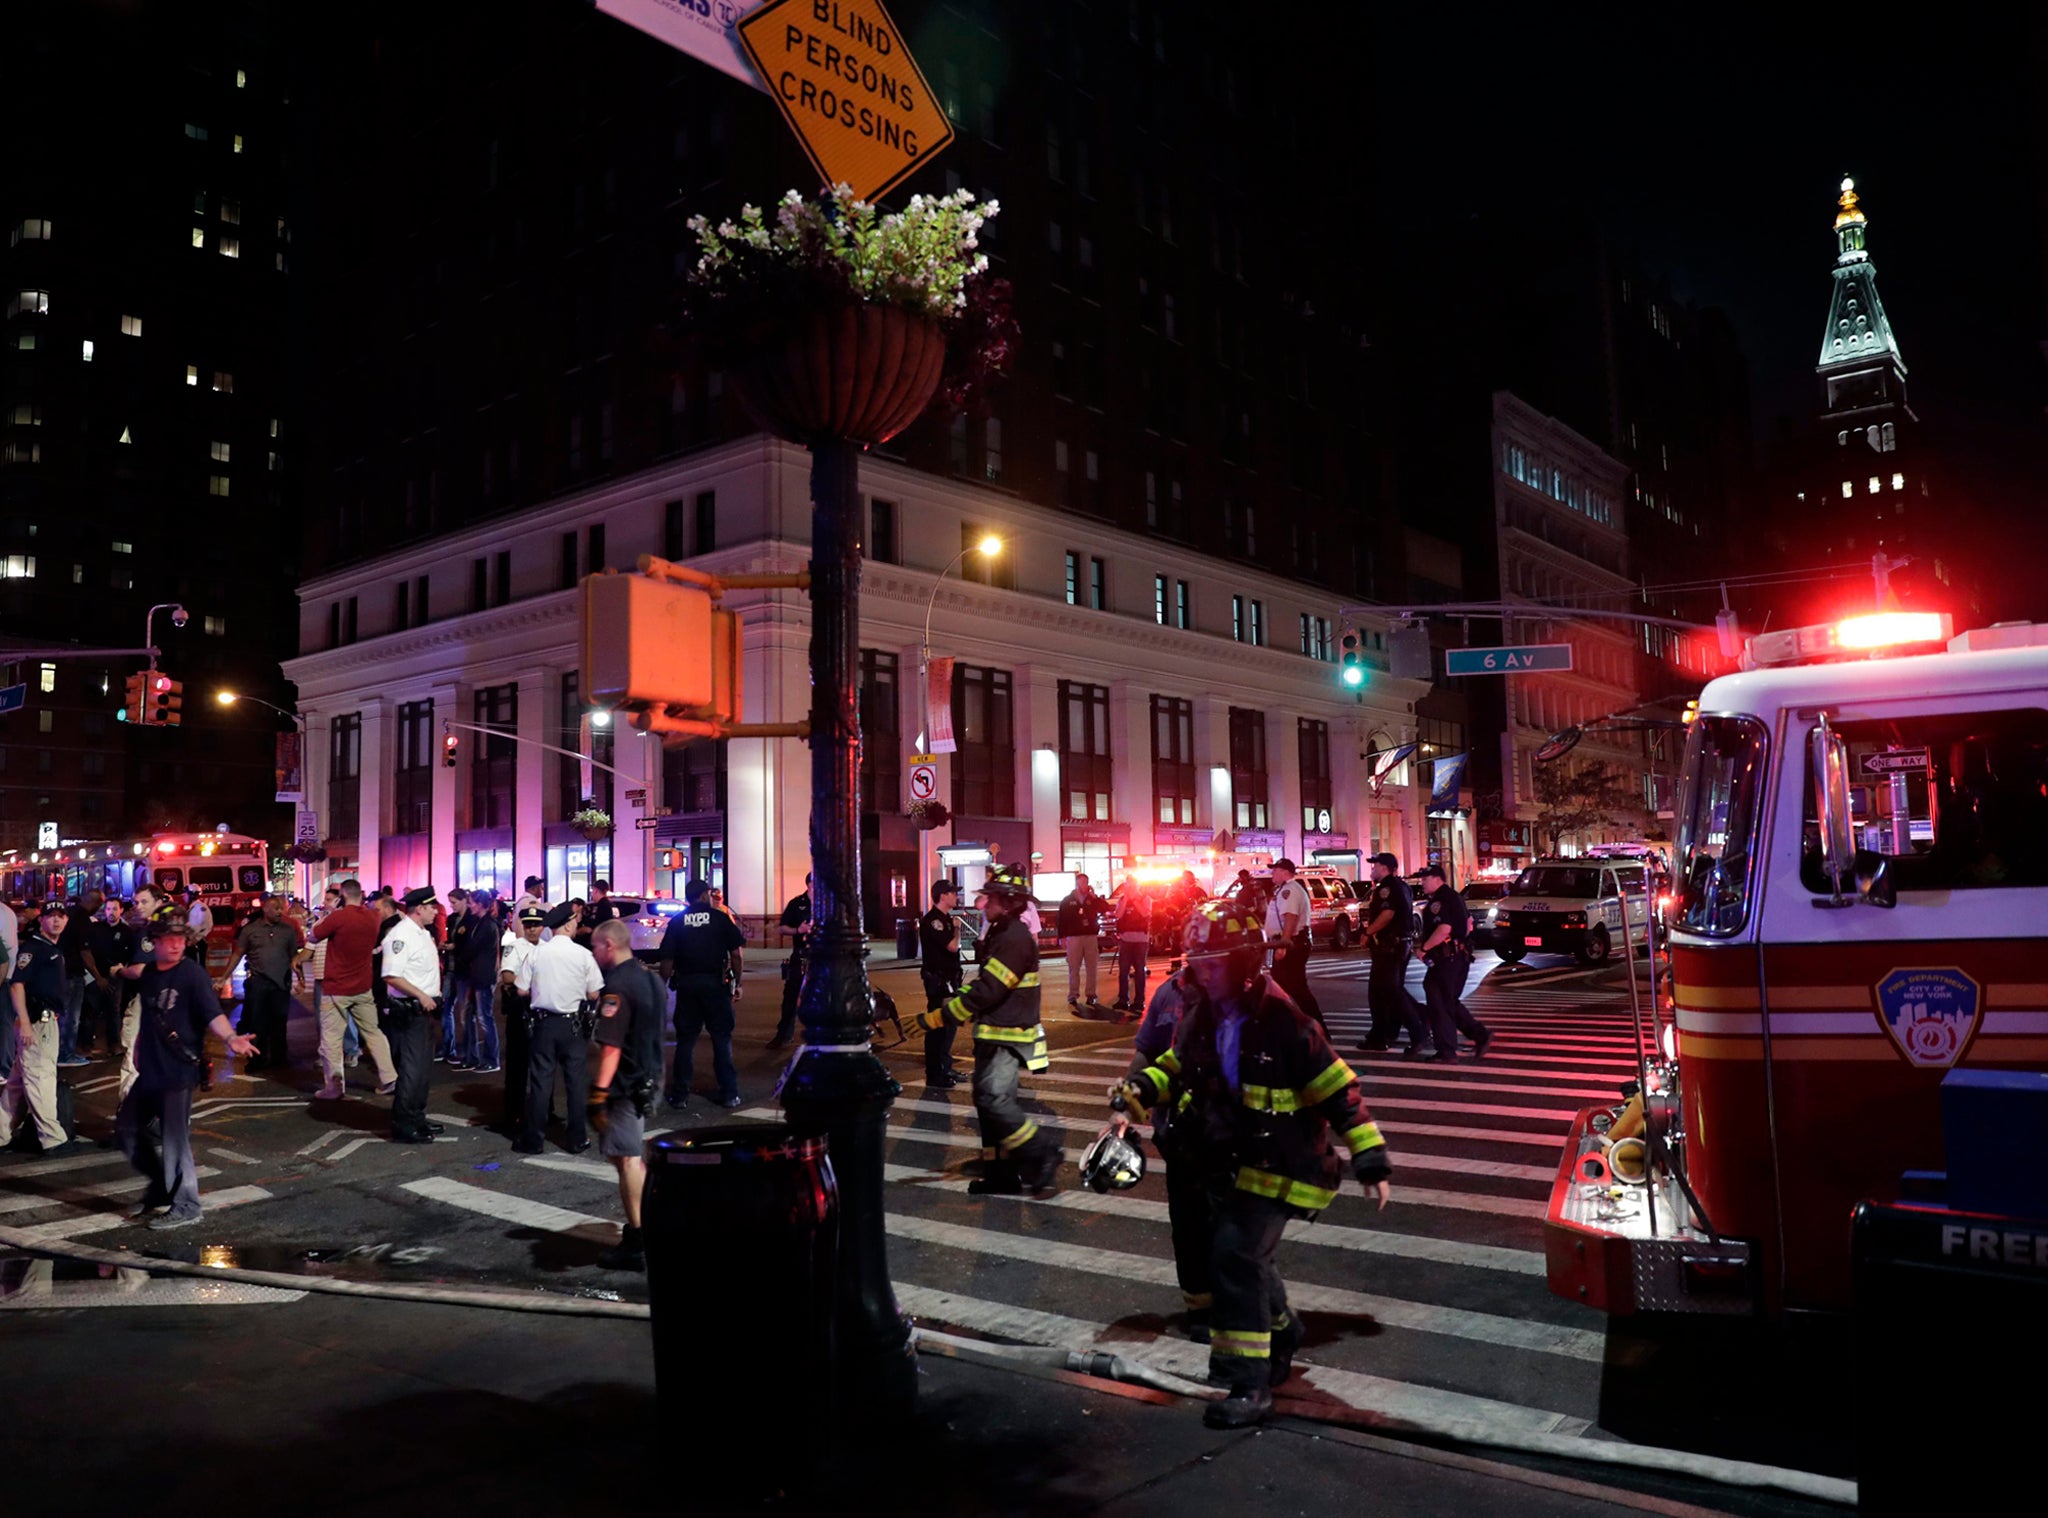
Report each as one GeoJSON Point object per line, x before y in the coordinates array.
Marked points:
{"type": "Point", "coordinates": [1353, 675]}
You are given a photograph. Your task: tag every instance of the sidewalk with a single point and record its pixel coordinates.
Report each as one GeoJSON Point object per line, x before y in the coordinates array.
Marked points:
{"type": "Point", "coordinates": [331, 1408]}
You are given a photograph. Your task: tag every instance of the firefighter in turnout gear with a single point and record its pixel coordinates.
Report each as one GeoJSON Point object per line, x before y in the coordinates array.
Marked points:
{"type": "Point", "coordinates": [1008, 1040]}
{"type": "Point", "coordinates": [1265, 1091]}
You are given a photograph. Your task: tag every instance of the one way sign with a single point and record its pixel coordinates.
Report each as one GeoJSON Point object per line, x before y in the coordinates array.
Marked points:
{"type": "Point", "coordinates": [1898, 761]}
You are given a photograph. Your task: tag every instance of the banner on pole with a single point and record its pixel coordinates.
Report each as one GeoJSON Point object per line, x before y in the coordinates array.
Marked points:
{"type": "Point", "coordinates": [938, 707]}
{"type": "Point", "coordinates": [1450, 770]}
{"type": "Point", "coordinates": [291, 779]}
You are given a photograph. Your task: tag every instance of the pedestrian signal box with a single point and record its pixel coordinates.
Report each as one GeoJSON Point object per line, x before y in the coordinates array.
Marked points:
{"type": "Point", "coordinates": [668, 859]}
{"type": "Point", "coordinates": [646, 641]}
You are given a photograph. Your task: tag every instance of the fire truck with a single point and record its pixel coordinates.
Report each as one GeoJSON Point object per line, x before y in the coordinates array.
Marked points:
{"type": "Point", "coordinates": [1859, 902]}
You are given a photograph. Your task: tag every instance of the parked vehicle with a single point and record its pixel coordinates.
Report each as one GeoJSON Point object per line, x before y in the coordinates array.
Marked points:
{"type": "Point", "coordinates": [1572, 906]}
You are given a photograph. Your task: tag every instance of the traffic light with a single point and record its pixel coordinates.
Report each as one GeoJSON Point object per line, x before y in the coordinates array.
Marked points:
{"type": "Point", "coordinates": [135, 703]}
{"type": "Point", "coordinates": [166, 701]}
{"type": "Point", "coordinates": [1351, 658]}
{"type": "Point", "coordinates": [450, 746]}
{"type": "Point", "coordinates": [668, 859]}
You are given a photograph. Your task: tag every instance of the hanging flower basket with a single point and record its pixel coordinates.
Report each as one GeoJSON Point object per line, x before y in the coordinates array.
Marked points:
{"type": "Point", "coordinates": [307, 853]}
{"type": "Point", "coordinates": [592, 821]}
{"type": "Point", "coordinates": [926, 815]}
{"type": "Point", "coordinates": [835, 321]}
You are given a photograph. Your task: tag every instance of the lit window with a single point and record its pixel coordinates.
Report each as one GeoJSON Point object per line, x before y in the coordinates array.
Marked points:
{"type": "Point", "coordinates": [217, 484]}
{"type": "Point", "coordinates": [231, 212]}
{"type": "Point", "coordinates": [85, 350]}
{"type": "Point", "coordinates": [216, 627]}
{"type": "Point", "coordinates": [1898, 482]}
{"type": "Point", "coordinates": [231, 247]}
{"type": "Point", "coordinates": [28, 416]}
{"type": "Point", "coordinates": [18, 566]}
{"type": "Point", "coordinates": [25, 341]}
{"type": "Point", "coordinates": [124, 547]}
{"type": "Point", "coordinates": [238, 142]}
{"type": "Point", "coordinates": [273, 426]}
{"type": "Point", "coordinates": [273, 465]}
{"type": "Point", "coordinates": [77, 574]}
{"type": "Point", "coordinates": [46, 678]}
{"type": "Point", "coordinates": [131, 326]}
{"type": "Point", "coordinates": [223, 382]}
{"type": "Point", "coordinates": [1873, 484]}
{"type": "Point", "coordinates": [280, 263]}
{"type": "Point", "coordinates": [35, 229]}
{"type": "Point", "coordinates": [241, 79]}
{"type": "Point", "coordinates": [199, 237]}
{"type": "Point", "coordinates": [191, 374]}
{"type": "Point", "coordinates": [196, 133]}
{"type": "Point", "coordinates": [1848, 489]}
{"type": "Point", "coordinates": [32, 302]}
{"type": "Point", "coordinates": [221, 451]}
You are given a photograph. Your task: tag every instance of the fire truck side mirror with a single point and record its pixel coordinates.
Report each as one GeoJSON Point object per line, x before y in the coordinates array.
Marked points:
{"type": "Point", "coordinates": [1874, 879]}
{"type": "Point", "coordinates": [1829, 764]}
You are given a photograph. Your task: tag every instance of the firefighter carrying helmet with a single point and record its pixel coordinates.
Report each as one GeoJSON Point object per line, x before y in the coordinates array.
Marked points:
{"type": "Point", "coordinates": [1219, 928]}
{"type": "Point", "coordinates": [1007, 883]}
{"type": "Point", "coordinates": [1114, 1162]}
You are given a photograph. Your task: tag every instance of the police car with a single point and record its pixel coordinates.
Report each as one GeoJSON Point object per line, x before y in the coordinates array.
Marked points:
{"type": "Point", "coordinates": [646, 921]}
{"type": "Point", "coordinates": [1572, 906]}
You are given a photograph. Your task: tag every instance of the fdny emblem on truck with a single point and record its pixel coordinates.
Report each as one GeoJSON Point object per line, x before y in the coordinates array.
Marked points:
{"type": "Point", "coordinates": [1931, 1015]}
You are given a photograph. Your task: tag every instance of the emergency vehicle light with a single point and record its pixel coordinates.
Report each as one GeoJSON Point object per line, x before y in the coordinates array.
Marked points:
{"type": "Point", "coordinates": [1886, 629]}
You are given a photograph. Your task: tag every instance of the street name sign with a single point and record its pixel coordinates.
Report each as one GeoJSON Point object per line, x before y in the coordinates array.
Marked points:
{"type": "Point", "coordinates": [1898, 761]}
{"type": "Point", "coordinates": [701, 28]}
{"type": "Point", "coordinates": [844, 80]}
{"type": "Point", "coordinates": [13, 698]}
{"type": "Point", "coordinates": [1527, 659]}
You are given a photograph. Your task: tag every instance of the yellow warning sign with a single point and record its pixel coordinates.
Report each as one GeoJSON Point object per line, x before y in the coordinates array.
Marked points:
{"type": "Point", "coordinates": [849, 89]}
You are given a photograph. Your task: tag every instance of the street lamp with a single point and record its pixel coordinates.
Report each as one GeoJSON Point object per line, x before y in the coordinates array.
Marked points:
{"type": "Point", "coordinates": [989, 546]}
{"type": "Point", "coordinates": [227, 697]}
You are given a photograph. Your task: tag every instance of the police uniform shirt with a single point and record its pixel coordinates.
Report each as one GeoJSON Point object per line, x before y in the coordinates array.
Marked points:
{"type": "Point", "coordinates": [513, 954]}
{"type": "Point", "coordinates": [178, 1001]}
{"type": "Point", "coordinates": [1391, 895]}
{"type": "Point", "coordinates": [1447, 906]}
{"type": "Point", "coordinates": [410, 955]}
{"type": "Point", "coordinates": [559, 975]}
{"type": "Point", "coordinates": [933, 930]}
{"type": "Point", "coordinates": [699, 940]}
{"type": "Point", "coordinates": [1290, 898]}
{"type": "Point", "coordinates": [629, 1020]}
{"type": "Point", "coordinates": [39, 971]}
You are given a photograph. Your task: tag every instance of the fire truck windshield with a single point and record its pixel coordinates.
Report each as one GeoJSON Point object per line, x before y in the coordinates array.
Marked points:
{"type": "Point", "coordinates": [1954, 800]}
{"type": "Point", "coordinates": [1719, 807]}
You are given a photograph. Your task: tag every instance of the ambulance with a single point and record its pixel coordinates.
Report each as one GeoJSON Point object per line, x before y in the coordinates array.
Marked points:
{"type": "Point", "coordinates": [1859, 903]}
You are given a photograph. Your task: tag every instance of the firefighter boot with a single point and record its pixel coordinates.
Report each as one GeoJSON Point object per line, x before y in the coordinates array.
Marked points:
{"type": "Point", "coordinates": [1244, 1407]}
{"type": "Point", "coordinates": [1287, 1336]}
{"type": "Point", "coordinates": [998, 1179]}
{"type": "Point", "coordinates": [1041, 1168]}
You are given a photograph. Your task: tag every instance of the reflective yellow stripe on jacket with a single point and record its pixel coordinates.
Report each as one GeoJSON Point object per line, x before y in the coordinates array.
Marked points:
{"type": "Point", "coordinates": [1314, 1094]}
{"type": "Point", "coordinates": [1031, 1040]}
{"type": "Point", "coordinates": [1365, 1136]}
{"type": "Point", "coordinates": [1281, 1189]}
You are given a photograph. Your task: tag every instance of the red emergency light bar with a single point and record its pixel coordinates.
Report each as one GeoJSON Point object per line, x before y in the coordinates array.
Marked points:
{"type": "Point", "coordinates": [1869, 634]}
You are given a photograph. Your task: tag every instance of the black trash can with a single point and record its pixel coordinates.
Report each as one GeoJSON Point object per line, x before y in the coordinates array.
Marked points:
{"type": "Point", "coordinates": [906, 938]}
{"type": "Point", "coordinates": [742, 1229]}
{"type": "Point", "coordinates": [1951, 1320]}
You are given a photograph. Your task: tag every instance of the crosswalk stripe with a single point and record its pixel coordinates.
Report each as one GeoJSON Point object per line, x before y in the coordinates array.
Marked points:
{"type": "Point", "coordinates": [132, 1288]}
{"type": "Point", "coordinates": [1414, 1196]}
{"type": "Point", "coordinates": [1499, 1169]}
{"type": "Point", "coordinates": [1460, 1083]}
{"type": "Point", "coordinates": [1395, 1399]}
{"type": "Point", "coordinates": [34, 1201]}
{"type": "Point", "coordinates": [503, 1206]}
{"type": "Point", "coordinates": [1496, 1057]}
{"type": "Point", "coordinates": [1420, 1317]}
{"type": "Point", "coordinates": [348, 1149]}
{"type": "Point", "coordinates": [1563, 1115]}
{"type": "Point", "coordinates": [68, 1162]}
{"type": "Point", "coordinates": [323, 1141]}
{"type": "Point", "coordinates": [101, 1222]}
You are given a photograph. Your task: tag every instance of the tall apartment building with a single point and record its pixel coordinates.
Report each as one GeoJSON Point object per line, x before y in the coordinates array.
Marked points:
{"type": "Point", "coordinates": [1174, 454]}
{"type": "Point", "coordinates": [142, 398]}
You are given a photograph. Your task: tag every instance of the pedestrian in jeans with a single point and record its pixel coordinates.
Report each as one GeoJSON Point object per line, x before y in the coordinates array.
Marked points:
{"type": "Point", "coordinates": [178, 1010]}
{"type": "Point", "coordinates": [350, 935]}
{"type": "Point", "coordinates": [473, 959]}
{"type": "Point", "coordinates": [1133, 947]}
{"type": "Point", "coordinates": [452, 933]}
{"type": "Point", "coordinates": [73, 945]}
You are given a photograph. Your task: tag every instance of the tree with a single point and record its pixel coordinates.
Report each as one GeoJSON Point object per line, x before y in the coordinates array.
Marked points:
{"type": "Point", "coordinates": [1569, 802]}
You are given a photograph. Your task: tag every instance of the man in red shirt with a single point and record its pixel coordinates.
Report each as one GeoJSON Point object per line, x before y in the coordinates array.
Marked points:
{"type": "Point", "coordinates": [350, 932]}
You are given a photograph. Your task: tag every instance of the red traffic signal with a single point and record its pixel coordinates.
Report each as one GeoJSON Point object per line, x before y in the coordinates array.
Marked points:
{"type": "Point", "coordinates": [450, 746]}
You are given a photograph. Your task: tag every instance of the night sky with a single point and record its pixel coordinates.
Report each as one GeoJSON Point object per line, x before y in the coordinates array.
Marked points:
{"type": "Point", "coordinates": [1713, 140]}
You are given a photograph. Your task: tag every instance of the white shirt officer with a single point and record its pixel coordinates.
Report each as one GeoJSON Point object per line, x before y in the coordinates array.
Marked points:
{"type": "Point", "coordinates": [409, 955]}
{"type": "Point", "coordinates": [559, 972]}
{"type": "Point", "coordinates": [1289, 900]}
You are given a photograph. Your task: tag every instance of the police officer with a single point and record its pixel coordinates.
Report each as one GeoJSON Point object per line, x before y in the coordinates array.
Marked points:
{"type": "Point", "coordinates": [1008, 1040]}
{"type": "Point", "coordinates": [796, 921]}
{"type": "Point", "coordinates": [1390, 930]}
{"type": "Point", "coordinates": [1190, 1214]}
{"type": "Point", "coordinates": [1264, 1091]}
{"type": "Point", "coordinates": [628, 1037]}
{"type": "Point", "coordinates": [36, 996]}
{"type": "Point", "coordinates": [700, 956]}
{"type": "Point", "coordinates": [1446, 934]}
{"type": "Point", "coordinates": [1287, 929]}
{"type": "Point", "coordinates": [938, 941]}
{"type": "Point", "coordinates": [518, 947]}
{"type": "Point", "coordinates": [560, 977]}
{"type": "Point", "coordinates": [411, 972]}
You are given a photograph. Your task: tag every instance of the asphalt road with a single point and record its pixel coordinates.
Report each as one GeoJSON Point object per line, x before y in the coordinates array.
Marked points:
{"type": "Point", "coordinates": [1436, 1308]}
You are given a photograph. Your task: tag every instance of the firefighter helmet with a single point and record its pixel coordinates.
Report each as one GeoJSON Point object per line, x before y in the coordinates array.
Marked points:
{"type": "Point", "coordinates": [1219, 928]}
{"type": "Point", "coordinates": [1114, 1162]}
{"type": "Point", "coordinates": [1007, 883]}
